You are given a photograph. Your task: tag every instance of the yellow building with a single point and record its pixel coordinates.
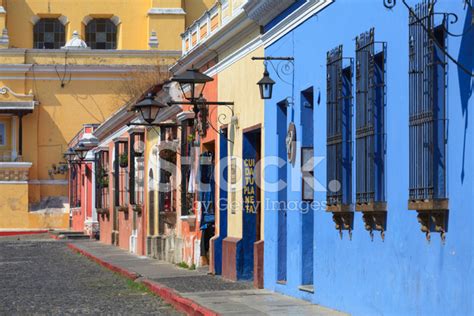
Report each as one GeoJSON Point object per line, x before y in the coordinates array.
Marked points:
{"type": "Point", "coordinates": [227, 38]}
{"type": "Point", "coordinates": [65, 63]}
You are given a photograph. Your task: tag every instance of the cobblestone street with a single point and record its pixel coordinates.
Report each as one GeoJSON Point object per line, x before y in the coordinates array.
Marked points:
{"type": "Point", "coordinates": [43, 277]}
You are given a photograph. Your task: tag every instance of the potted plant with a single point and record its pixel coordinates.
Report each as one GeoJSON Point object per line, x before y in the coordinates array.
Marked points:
{"type": "Point", "coordinates": [123, 209]}
{"type": "Point", "coordinates": [137, 209]}
{"type": "Point", "coordinates": [103, 178]}
{"type": "Point", "coordinates": [103, 211]}
{"type": "Point", "coordinates": [123, 160]}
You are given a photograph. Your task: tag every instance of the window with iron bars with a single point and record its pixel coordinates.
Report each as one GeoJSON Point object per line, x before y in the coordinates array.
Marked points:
{"type": "Point", "coordinates": [137, 169]}
{"type": "Point", "coordinates": [187, 199]}
{"type": "Point", "coordinates": [102, 180]}
{"type": "Point", "coordinates": [370, 122]}
{"type": "Point", "coordinates": [49, 34]}
{"type": "Point", "coordinates": [75, 185]}
{"type": "Point", "coordinates": [121, 192]}
{"type": "Point", "coordinates": [427, 105]}
{"type": "Point", "coordinates": [339, 130]}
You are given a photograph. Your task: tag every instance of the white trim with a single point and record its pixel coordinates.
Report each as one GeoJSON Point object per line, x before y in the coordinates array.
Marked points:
{"type": "Point", "coordinates": [264, 11]}
{"type": "Point", "coordinates": [20, 52]}
{"type": "Point", "coordinates": [113, 136]}
{"type": "Point", "coordinates": [5, 90]}
{"type": "Point", "coordinates": [293, 20]}
{"type": "Point", "coordinates": [13, 182]}
{"type": "Point", "coordinates": [2, 10]}
{"type": "Point", "coordinates": [75, 79]}
{"type": "Point", "coordinates": [64, 20]}
{"type": "Point", "coordinates": [167, 11]}
{"type": "Point", "coordinates": [48, 182]}
{"type": "Point", "coordinates": [15, 165]}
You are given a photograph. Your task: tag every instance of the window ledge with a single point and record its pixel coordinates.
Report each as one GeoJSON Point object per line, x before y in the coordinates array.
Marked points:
{"type": "Point", "coordinates": [307, 288]}
{"type": "Point", "coordinates": [339, 208]}
{"type": "Point", "coordinates": [371, 207]}
{"type": "Point", "coordinates": [281, 282]}
{"type": "Point", "coordinates": [429, 205]}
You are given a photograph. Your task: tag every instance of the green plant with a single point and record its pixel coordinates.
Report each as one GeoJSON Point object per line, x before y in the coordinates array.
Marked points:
{"type": "Point", "coordinates": [183, 265]}
{"type": "Point", "coordinates": [123, 160]}
{"type": "Point", "coordinates": [103, 178]}
{"type": "Point", "coordinates": [192, 267]}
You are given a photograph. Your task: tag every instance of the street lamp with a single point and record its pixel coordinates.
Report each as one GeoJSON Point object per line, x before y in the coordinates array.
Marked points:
{"type": "Point", "coordinates": [266, 85]}
{"type": "Point", "coordinates": [81, 151]}
{"type": "Point", "coordinates": [196, 82]}
{"type": "Point", "coordinates": [149, 108]}
{"type": "Point", "coordinates": [69, 155]}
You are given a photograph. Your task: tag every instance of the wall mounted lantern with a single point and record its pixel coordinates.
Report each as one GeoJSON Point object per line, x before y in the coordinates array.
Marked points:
{"type": "Point", "coordinates": [81, 151]}
{"type": "Point", "coordinates": [149, 108]}
{"type": "Point", "coordinates": [192, 84]}
{"type": "Point", "coordinates": [266, 85]}
{"type": "Point", "coordinates": [195, 81]}
{"type": "Point", "coordinates": [69, 155]}
{"type": "Point", "coordinates": [285, 67]}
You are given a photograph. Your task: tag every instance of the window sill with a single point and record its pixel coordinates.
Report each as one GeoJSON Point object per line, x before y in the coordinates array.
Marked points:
{"type": "Point", "coordinates": [281, 282]}
{"type": "Point", "coordinates": [307, 288]}
{"type": "Point", "coordinates": [339, 208]}
{"type": "Point", "coordinates": [433, 216]}
{"type": "Point", "coordinates": [429, 205]}
{"type": "Point", "coordinates": [371, 207]}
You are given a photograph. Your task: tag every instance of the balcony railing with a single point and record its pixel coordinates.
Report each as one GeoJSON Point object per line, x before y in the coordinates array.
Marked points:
{"type": "Point", "coordinates": [9, 156]}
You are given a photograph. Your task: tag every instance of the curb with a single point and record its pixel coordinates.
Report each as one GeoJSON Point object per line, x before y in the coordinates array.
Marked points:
{"type": "Point", "coordinates": [22, 232]}
{"type": "Point", "coordinates": [124, 272]}
{"type": "Point", "coordinates": [182, 304]}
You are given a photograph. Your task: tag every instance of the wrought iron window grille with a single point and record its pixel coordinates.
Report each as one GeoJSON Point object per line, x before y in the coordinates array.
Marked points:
{"type": "Point", "coordinates": [428, 119]}
{"type": "Point", "coordinates": [370, 131]}
{"type": "Point", "coordinates": [339, 139]}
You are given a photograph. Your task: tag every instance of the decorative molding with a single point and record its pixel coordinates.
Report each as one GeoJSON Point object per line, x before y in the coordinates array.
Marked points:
{"type": "Point", "coordinates": [86, 19]}
{"type": "Point", "coordinates": [116, 20]}
{"type": "Point", "coordinates": [20, 52]}
{"type": "Point", "coordinates": [34, 19]}
{"type": "Point", "coordinates": [63, 19]}
{"type": "Point", "coordinates": [14, 171]}
{"type": "Point", "coordinates": [168, 11]}
{"type": "Point", "coordinates": [4, 39]}
{"type": "Point", "coordinates": [264, 11]}
{"type": "Point", "coordinates": [48, 182]}
{"type": "Point", "coordinates": [153, 40]}
{"type": "Point", "coordinates": [4, 90]}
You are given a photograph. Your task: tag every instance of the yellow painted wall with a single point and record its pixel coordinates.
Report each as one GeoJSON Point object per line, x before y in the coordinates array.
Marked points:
{"type": "Point", "coordinates": [196, 8]}
{"type": "Point", "coordinates": [15, 215]}
{"type": "Point", "coordinates": [238, 83]}
{"type": "Point", "coordinates": [133, 29]}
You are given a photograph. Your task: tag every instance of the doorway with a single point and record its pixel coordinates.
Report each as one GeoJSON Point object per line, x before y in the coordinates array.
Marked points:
{"type": "Point", "coordinates": [251, 199]}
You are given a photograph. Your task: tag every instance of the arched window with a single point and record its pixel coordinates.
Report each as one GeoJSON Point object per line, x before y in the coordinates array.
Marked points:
{"type": "Point", "coordinates": [49, 34]}
{"type": "Point", "coordinates": [101, 34]}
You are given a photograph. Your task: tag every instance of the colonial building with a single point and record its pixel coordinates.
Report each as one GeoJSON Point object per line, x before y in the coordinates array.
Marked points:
{"type": "Point", "coordinates": [378, 180]}
{"type": "Point", "coordinates": [64, 64]}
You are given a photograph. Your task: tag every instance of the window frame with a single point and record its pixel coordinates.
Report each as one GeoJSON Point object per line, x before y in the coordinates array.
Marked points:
{"type": "Point", "coordinates": [111, 36]}
{"type": "Point", "coordinates": [57, 43]}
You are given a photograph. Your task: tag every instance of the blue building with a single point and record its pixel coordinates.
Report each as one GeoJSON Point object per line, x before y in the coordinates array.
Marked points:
{"type": "Point", "coordinates": [378, 222]}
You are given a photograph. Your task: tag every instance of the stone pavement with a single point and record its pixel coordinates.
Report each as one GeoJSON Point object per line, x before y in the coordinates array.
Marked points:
{"type": "Point", "coordinates": [211, 292]}
{"type": "Point", "coordinates": [40, 276]}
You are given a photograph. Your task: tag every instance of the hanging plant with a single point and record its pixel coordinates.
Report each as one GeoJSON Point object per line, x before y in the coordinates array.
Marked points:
{"type": "Point", "coordinates": [137, 209]}
{"type": "Point", "coordinates": [103, 178]}
{"type": "Point", "coordinates": [123, 160]}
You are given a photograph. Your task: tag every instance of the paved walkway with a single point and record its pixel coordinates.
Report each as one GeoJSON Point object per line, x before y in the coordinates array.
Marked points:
{"type": "Point", "coordinates": [40, 276]}
{"type": "Point", "coordinates": [212, 294]}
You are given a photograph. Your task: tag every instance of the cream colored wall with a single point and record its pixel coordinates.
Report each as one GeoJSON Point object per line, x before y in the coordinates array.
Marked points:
{"type": "Point", "coordinates": [238, 83]}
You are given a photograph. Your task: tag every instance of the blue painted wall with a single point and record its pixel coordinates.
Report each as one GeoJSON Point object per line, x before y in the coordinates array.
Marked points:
{"type": "Point", "coordinates": [404, 275]}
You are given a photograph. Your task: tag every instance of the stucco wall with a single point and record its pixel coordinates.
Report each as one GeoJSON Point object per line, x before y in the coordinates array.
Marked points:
{"type": "Point", "coordinates": [404, 274]}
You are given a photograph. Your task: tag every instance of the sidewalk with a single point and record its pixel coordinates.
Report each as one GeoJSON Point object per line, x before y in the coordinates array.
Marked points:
{"type": "Point", "coordinates": [195, 292]}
